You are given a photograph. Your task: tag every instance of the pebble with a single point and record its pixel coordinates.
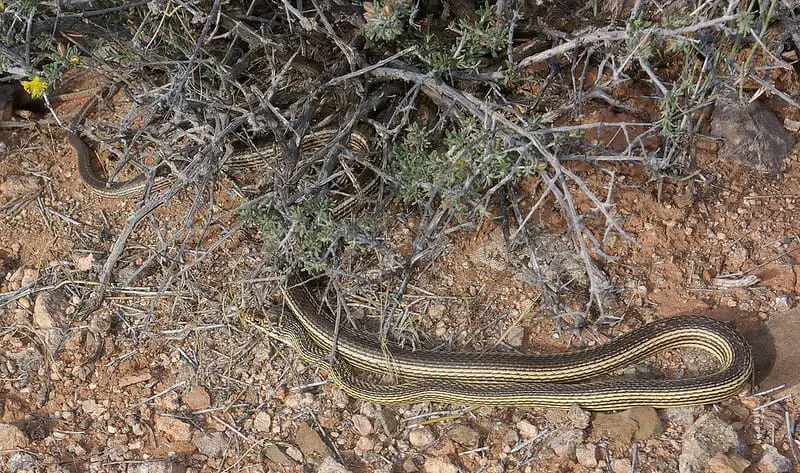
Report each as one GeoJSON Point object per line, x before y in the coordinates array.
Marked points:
{"type": "Point", "coordinates": [294, 453]}
{"type": "Point", "coordinates": [197, 398]}
{"type": "Point", "coordinates": [706, 438]}
{"type": "Point", "coordinates": [329, 465]}
{"type": "Point", "coordinates": [565, 443]}
{"type": "Point", "coordinates": [421, 437]}
{"type": "Point", "coordinates": [176, 430]}
{"type": "Point", "coordinates": [262, 422]}
{"type": "Point", "coordinates": [272, 452]}
{"type": "Point", "coordinates": [362, 424]}
{"type": "Point", "coordinates": [621, 465]}
{"type": "Point", "coordinates": [773, 462]}
{"type": "Point", "coordinates": [586, 454]}
{"type": "Point", "coordinates": [11, 438]}
{"type": "Point", "coordinates": [527, 430]}
{"type": "Point", "coordinates": [364, 445]}
{"type": "Point", "coordinates": [516, 336]}
{"type": "Point", "coordinates": [212, 445]}
{"type": "Point", "coordinates": [720, 463]}
{"type": "Point", "coordinates": [578, 417]}
{"type": "Point", "coordinates": [464, 436]}
{"type": "Point", "coordinates": [309, 442]}
{"type": "Point", "coordinates": [439, 465]}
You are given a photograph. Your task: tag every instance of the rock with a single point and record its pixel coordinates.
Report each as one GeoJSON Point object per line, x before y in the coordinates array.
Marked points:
{"type": "Point", "coordinates": [706, 438]}
{"type": "Point", "coordinates": [421, 437]}
{"type": "Point", "coordinates": [262, 422]}
{"type": "Point", "coordinates": [92, 408]}
{"type": "Point", "coordinates": [773, 462]}
{"type": "Point", "coordinates": [275, 454]}
{"type": "Point", "coordinates": [212, 445]}
{"type": "Point", "coordinates": [527, 430]}
{"type": "Point", "coordinates": [15, 186]}
{"type": "Point", "coordinates": [566, 443]}
{"type": "Point", "coordinates": [364, 445]}
{"type": "Point", "coordinates": [638, 423]}
{"type": "Point", "coordinates": [163, 466]}
{"type": "Point", "coordinates": [578, 417]}
{"type": "Point", "coordinates": [464, 436]}
{"type": "Point", "coordinates": [197, 398]}
{"type": "Point", "coordinates": [11, 438]}
{"type": "Point", "coordinates": [586, 454]}
{"type": "Point", "coordinates": [21, 462]}
{"type": "Point", "coordinates": [132, 379]}
{"type": "Point", "coordinates": [294, 453]}
{"type": "Point", "coordinates": [439, 465]}
{"type": "Point", "coordinates": [409, 466]}
{"type": "Point", "coordinates": [389, 420]}
{"type": "Point", "coordinates": [362, 424]}
{"type": "Point", "coordinates": [754, 136]}
{"type": "Point", "coordinates": [782, 343]}
{"type": "Point", "coordinates": [515, 336]}
{"type": "Point", "coordinates": [329, 465]}
{"type": "Point", "coordinates": [621, 465]}
{"type": "Point", "coordinates": [720, 463]}
{"type": "Point", "coordinates": [309, 442]}
{"type": "Point", "coordinates": [176, 430]}
{"type": "Point", "coordinates": [682, 416]}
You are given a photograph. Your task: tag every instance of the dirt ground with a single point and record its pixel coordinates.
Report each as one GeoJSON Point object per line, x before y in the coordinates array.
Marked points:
{"type": "Point", "coordinates": [198, 391]}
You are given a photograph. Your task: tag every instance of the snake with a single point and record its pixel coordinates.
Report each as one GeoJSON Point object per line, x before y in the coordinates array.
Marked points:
{"type": "Point", "coordinates": [472, 378]}
{"type": "Point", "coordinates": [265, 155]}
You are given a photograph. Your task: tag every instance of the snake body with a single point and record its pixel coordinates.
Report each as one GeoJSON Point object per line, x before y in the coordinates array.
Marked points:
{"type": "Point", "coordinates": [711, 335]}
{"type": "Point", "coordinates": [265, 156]}
{"type": "Point", "coordinates": [496, 379]}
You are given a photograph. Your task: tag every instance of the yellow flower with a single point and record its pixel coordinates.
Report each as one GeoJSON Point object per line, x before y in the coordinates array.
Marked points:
{"type": "Point", "coordinates": [35, 87]}
{"type": "Point", "coordinates": [75, 59]}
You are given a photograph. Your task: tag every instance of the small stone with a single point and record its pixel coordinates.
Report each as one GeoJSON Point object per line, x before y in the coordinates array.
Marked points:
{"type": "Point", "coordinates": [621, 465]}
{"type": "Point", "coordinates": [720, 463]}
{"type": "Point", "coordinates": [516, 336]}
{"type": "Point", "coordinates": [578, 417]}
{"type": "Point", "coordinates": [527, 430]}
{"type": "Point", "coordinates": [130, 380]}
{"type": "Point", "coordinates": [329, 465]}
{"type": "Point", "coordinates": [294, 453]}
{"type": "Point", "coordinates": [173, 428]}
{"type": "Point", "coordinates": [782, 303]}
{"type": "Point", "coordinates": [706, 438]}
{"type": "Point", "coordinates": [309, 442]}
{"type": "Point", "coordinates": [362, 424]}
{"type": "Point", "coordinates": [92, 408]}
{"type": "Point", "coordinates": [197, 398]}
{"type": "Point", "coordinates": [436, 310]}
{"type": "Point", "coordinates": [565, 443]}
{"type": "Point", "coordinates": [421, 437]}
{"type": "Point", "coordinates": [586, 454]}
{"type": "Point", "coordinates": [389, 420]}
{"type": "Point", "coordinates": [262, 422]}
{"type": "Point", "coordinates": [638, 423]}
{"type": "Point", "coordinates": [15, 186]}
{"type": "Point", "coordinates": [409, 466]}
{"type": "Point", "coordinates": [11, 438]}
{"type": "Point", "coordinates": [773, 462]}
{"type": "Point", "coordinates": [439, 465]}
{"type": "Point", "coordinates": [464, 436]}
{"type": "Point", "coordinates": [364, 445]}
{"type": "Point", "coordinates": [681, 416]}
{"type": "Point", "coordinates": [21, 462]}
{"type": "Point", "coordinates": [212, 445]}
{"type": "Point", "coordinates": [275, 454]}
